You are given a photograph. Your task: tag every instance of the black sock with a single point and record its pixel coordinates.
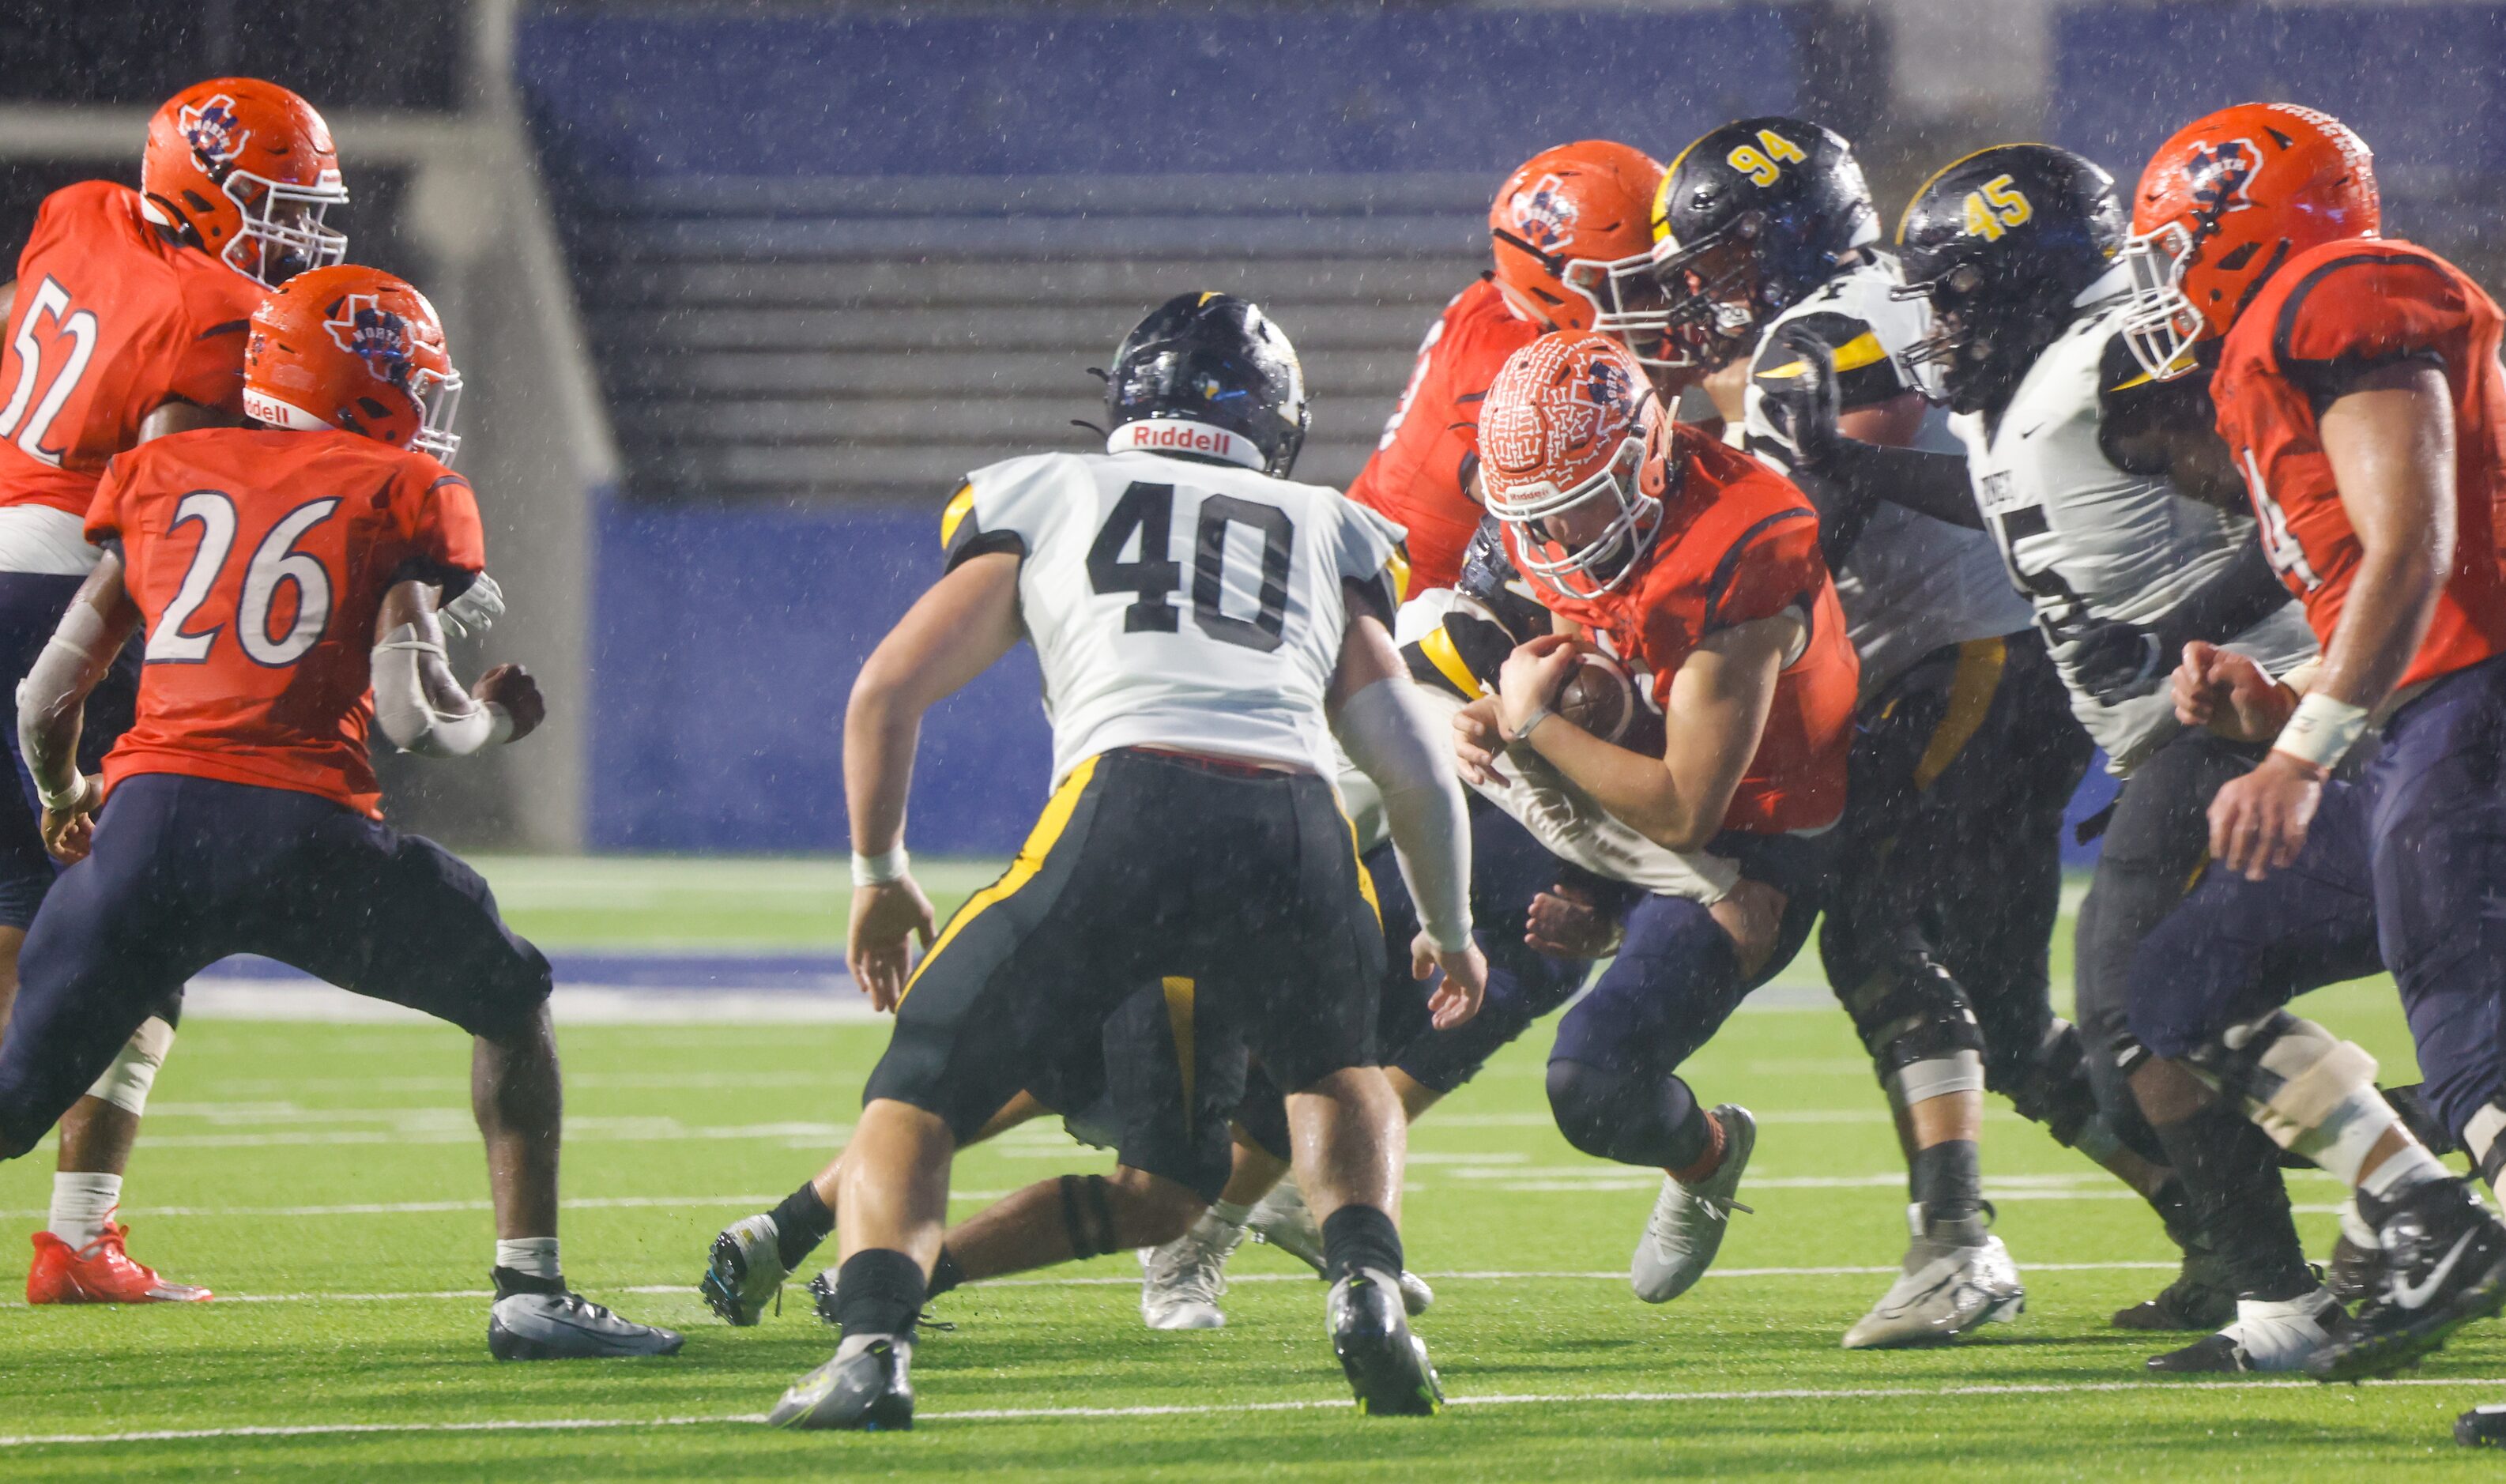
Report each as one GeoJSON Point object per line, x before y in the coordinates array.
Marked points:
{"type": "Point", "coordinates": [1948, 1181]}
{"type": "Point", "coordinates": [510, 1282]}
{"type": "Point", "coordinates": [879, 1290]}
{"type": "Point", "coordinates": [1358, 1237]}
{"type": "Point", "coordinates": [2238, 1203]}
{"type": "Point", "coordinates": [800, 1223]}
{"type": "Point", "coordinates": [946, 1273]}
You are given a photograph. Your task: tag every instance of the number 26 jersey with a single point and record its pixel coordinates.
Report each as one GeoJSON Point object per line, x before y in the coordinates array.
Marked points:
{"type": "Point", "coordinates": [259, 560]}
{"type": "Point", "coordinates": [1174, 603]}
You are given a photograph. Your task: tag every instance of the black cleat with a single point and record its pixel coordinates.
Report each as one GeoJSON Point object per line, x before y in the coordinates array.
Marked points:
{"type": "Point", "coordinates": [1388, 1365]}
{"type": "Point", "coordinates": [2447, 1267]}
{"type": "Point", "coordinates": [2356, 1272]}
{"type": "Point", "coordinates": [2483, 1426]}
{"type": "Point", "coordinates": [2199, 1298]}
{"type": "Point", "coordinates": [867, 1391]}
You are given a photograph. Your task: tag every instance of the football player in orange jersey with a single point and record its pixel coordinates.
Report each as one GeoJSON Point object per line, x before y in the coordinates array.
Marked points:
{"type": "Point", "coordinates": [1700, 570]}
{"type": "Point", "coordinates": [126, 321]}
{"type": "Point", "coordinates": [2359, 391]}
{"type": "Point", "coordinates": [286, 576]}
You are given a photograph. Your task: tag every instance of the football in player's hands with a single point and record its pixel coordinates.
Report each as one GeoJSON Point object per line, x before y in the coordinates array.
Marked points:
{"type": "Point", "coordinates": [1597, 697]}
{"type": "Point", "coordinates": [512, 688]}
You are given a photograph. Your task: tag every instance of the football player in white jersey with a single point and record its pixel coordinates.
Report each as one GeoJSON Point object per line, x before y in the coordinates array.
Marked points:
{"type": "Point", "coordinates": [1206, 629]}
{"type": "Point", "coordinates": [2116, 510]}
{"type": "Point", "coordinates": [1949, 876]}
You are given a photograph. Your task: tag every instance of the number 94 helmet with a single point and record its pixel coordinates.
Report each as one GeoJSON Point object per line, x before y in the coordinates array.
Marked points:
{"type": "Point", "coordinates": [1208, 376]}
{"type": "Point", "coordinates": [353, 348]}
{"type": "Point", "coordinates": [2003, 244]}
{"type": "Point", "coordinates": [1749, 219]}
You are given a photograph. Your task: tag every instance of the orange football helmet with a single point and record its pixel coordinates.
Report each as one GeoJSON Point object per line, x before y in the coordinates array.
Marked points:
{"type": "Point", "coordinates": [1563, 220]}
{"type": "Point", "coordinates": [355, 348]}
{"type": "Point", "coordinates": [249, 168]}
{"type": "Point", "coordinates": [2222, 205]}
{"type": "Point", "coordinates": [1573, 454]}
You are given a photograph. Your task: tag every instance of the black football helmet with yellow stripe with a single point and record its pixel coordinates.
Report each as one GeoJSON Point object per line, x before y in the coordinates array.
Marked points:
{"type": "Point", "coordinates": [2003, 244]}
{"type": "Point", "coordinates": [1749, 219]}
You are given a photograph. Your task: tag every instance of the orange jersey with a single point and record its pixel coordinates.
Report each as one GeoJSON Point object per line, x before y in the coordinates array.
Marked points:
{"type": "Point", "coordinates": [2332, 309]}
{"type": "Point", "coordinates": [1739, 542]}
{"type": "Point", "coordinates": [111, 321]}
{"type": "Point", "coordinates": [259, 559]}
{"type": "Point", "coordinates": [1420, 475]}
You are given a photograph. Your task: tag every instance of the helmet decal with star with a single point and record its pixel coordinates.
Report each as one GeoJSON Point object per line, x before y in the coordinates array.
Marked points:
{"type": "Point", "coordinates": [373, 335]}
{"type": "Point", "coordinates": [213, 130]}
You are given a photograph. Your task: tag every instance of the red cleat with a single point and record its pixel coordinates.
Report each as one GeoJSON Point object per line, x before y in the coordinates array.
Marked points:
{"type": "Point", "coordinates": [99, 1273]}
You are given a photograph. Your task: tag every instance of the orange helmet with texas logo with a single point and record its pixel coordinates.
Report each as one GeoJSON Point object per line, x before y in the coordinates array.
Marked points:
{"type": "Point", "coordinates": [2222, 205]}
{"type": "Point", "coordinates": [1563, 220]}
{"type": "Point", "coordinates": [1573, 454]}
{"type": "Point", "coordinates": [353, 348]}
{"type": "Point", "coordinates": [249, 169]}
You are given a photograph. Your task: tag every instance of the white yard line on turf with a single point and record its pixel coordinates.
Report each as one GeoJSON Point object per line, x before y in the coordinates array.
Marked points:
{"type": "Point", "coordinates": [1984, 1391]}
{"type": "Point", "coordinates": [427, 1208]}
{"type": "Point", "coordinates": [1612, 1276]}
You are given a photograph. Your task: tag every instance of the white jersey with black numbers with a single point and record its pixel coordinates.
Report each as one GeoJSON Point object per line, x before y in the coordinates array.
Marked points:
{"type": "Point", "coordinates": [1910, 584]}
{"type": "Point", "coordinates": [2086, 539]}
{"type": "Point", "coordinates": [1175, 603]}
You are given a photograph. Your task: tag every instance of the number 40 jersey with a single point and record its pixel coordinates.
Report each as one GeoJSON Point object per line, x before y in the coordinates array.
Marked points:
{"type": "Point", "coordinates": [1175, 603]}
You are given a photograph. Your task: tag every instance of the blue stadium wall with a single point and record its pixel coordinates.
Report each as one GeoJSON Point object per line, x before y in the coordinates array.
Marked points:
{"type": "Point", "coordinates": [725, 639]}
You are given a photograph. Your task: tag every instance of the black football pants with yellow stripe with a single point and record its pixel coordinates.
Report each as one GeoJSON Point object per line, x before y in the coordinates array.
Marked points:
{"type": "Point", "coordinates": [1949, 882]}
{"type": "Point", "coordinates": [1222, 907]}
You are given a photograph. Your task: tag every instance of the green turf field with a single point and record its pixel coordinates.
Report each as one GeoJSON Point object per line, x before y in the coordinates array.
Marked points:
{"type": "Point", "coordinates": [325, 1179]}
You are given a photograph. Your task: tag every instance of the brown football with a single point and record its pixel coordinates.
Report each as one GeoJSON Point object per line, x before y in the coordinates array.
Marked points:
{"type": "Point", "coordinates": [1597, 698]}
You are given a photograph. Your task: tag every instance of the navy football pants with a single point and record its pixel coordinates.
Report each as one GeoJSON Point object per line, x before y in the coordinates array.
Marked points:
{"type": "Point", "coordinates": [189, 870]}
{"type": "Point", "coordinates": [31, 605]}
{"type": "Point", "coordinates": [2404, 870]}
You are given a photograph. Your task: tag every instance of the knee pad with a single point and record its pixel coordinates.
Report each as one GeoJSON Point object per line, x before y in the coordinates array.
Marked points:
{"type": "Point", "coordinates": [1920, 1030]}
{"type": "Point", "coordinates": [1088, 1215]}
{"type": "Point", "coordinates": [2294, 1076]}
{"type": "Point", "coordinates": [2482, 1141]}
{"type": "Point", "coordinates": [2048, 1083]}
{"type": "Point", "coordinates": [125, 1083]}
{"type": "Point", "coordinates": [1586, 1101]}
{"type": "Point", "coordinates": [1631, 1118]}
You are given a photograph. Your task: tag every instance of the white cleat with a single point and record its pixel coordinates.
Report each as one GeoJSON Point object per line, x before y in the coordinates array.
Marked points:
{"type": "Point", "coordinates": [2278, 1335]}
{"type": "Point", "coordinates": [743, 1271]}
{"type": "Point", "coordinates": [1686, 1228]}
{"type": "Point", "coordinates": [1282, 1219]}
{"type": "Point", "coordinates": [1957, 1278]}
{"type": "Point", "coordinates": [1181, 1282]}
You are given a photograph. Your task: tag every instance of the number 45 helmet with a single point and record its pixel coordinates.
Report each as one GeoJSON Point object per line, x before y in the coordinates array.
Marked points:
{"type": "Point", "coordinates": [1208, 376]}
{"type": "Point", "coordinates": [1750, 218]}
{"type": "Point", "coordinates": [249, 168]}
{"type": "Point", "coordinates": [353, 348]}
{"type": "Point", "coordinates": [2003, 244]}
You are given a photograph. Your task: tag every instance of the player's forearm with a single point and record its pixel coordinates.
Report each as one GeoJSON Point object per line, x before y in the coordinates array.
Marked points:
{"type": "Point", "coordinates": [52, 699]}
{"type": "Point", "coordinates": [1394, 742]}
{"type": "Point", "coordinates": [2392, 601]}
{"type": "Point", "coordinates": [2390, 443]}
{"type": "Point", "coordinates": [881, 734]}
{"type": "Point", "coordinates": [1640, 791]}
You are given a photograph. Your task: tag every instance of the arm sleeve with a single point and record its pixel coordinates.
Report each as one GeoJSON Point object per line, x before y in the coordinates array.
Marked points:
{"type": "Point", "coordinates": [1394, 742]}
{"type": "Point", "coordinates": [410, 719]}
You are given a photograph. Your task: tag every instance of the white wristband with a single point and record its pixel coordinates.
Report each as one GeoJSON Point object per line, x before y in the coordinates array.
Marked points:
{"type": "Point", "coordinates": [68, 800]}
{"type": "Point", "coordinates": [2321, 731]}
{"type": "Point", "coordinates": [880, 870]}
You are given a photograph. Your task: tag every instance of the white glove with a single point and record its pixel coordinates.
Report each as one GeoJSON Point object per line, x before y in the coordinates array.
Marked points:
{"type": "Point", "coordinates": [476, 610]}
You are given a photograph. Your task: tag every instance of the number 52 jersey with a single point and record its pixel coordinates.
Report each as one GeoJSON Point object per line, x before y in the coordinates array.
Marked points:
{"type": "Point", "coordinates": [259, 560]}
{"type": "Point", "coordinates": [1174, 603]}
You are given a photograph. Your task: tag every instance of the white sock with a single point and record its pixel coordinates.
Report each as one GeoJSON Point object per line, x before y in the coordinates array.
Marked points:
{"type": "Point", "coordinates": [1230, 1212]}
{"type": "Point", "coordinates": [531, 1256]}
{"type": "Point", "coordinates": [2411, 1165]}
{"type": "Point", "coordinates": [82, 1205]}
{"type": "Point", "coordinates": [2349, 1131]}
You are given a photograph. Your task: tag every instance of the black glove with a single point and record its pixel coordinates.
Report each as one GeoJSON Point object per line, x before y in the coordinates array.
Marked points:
{"type": "Point", "coordinates": [2115, 661]}
{"type": "Point", "coordinates": [1799, 398]}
